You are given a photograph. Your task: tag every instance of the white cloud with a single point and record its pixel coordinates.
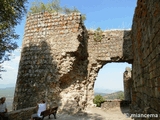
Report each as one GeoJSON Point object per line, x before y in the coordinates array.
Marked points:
{"type": "Point", "coordinates": [16, 59]}
{"type": "Point", "coordinates": [11, 68]}
{"type": "Point", "coordinates": [8, 67]}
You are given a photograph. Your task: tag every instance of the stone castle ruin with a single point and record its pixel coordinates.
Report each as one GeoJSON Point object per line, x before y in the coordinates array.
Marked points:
{"type": "Point", "coordinates": [60, 60]}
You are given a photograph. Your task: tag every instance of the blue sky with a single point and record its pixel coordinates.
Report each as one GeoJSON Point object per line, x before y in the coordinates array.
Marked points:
{"type": "Point", "coordinates": [106, 14]}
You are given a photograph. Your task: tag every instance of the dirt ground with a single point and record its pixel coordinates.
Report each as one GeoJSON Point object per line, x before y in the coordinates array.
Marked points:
{"type": "Point", "coordinates": [96, 114]}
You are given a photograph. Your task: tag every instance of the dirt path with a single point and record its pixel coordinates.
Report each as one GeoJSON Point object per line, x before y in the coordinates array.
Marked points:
{"type": "Point", "coordinates": [96, 114]}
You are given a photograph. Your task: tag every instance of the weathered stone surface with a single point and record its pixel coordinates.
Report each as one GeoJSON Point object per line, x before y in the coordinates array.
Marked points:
{"type": "Point", "coordinates": [106, 105]}
{"type": "Point", "coordinates": [145, 40]}
{"type": "Point", "coordinates": [22, 114]}
{"type": "Point", "coordinates": [60, 61]}
{"type": "Point", "coordinates": [115, 46]}
{"type": "Point", "coordinates": [53, 61]}
{"type": "Point", "coordinates": [127, 81]}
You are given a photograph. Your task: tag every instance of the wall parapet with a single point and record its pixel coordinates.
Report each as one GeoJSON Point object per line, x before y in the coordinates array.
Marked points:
{"type": "Point", "coordinates": [22, 114]}
{"type": "Point", "coordinates": [108, 104]}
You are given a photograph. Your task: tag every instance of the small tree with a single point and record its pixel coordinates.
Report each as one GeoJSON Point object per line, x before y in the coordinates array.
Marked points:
{"type": "Point", "coordinates": [98, 100]}
{"type": "Point", "coordinates": [11, 13]}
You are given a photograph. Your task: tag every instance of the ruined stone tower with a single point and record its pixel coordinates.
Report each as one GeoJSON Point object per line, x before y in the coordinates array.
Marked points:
{"type": "Point", "coordinates": [54, 57]}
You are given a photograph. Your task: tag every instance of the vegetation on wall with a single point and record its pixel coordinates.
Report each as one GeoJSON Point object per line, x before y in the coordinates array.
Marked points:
{"type": "Point", "coordinates": [52, 7]}
{"type": "Point", "coordinates": [98, 99]}
{"type": "Point", "coordinates": [98, 35]}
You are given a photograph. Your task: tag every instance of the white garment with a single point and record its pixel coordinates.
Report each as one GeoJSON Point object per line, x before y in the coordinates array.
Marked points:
{"type": "Point", "coordinates": [41, 107]}
{"type": "Point", "coordinates": [3, 107]}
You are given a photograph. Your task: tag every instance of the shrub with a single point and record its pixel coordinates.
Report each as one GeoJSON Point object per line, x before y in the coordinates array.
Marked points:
{"type": "Point", "coordinates": [98, 100]}
{"type": "Point", "coordinates": [98, 35]}
{"type": "Point", "coordinates": [120, 96]}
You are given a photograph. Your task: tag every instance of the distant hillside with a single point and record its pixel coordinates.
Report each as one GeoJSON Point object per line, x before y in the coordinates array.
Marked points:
{"type": "Point", "coordinates": [9, 94]}
{"type": "Point", "coordinates": [103, 91]}
{"type": "Point", "coordinates": [107, 94]}
{"type": "Point", "coordinates": [7, 85]}
{"type": "Point", "coordinates": [102, 94]}
{"type": "Point", "coordinates": [116, 95]}
{"type": "Point", "coordinates": [7, 91]}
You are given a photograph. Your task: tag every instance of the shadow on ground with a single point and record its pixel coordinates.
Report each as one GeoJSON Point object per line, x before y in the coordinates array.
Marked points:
{"type": "Point", "coordinates": [124, 106]}
{"type": "Point", "coordinates": [79, 116]}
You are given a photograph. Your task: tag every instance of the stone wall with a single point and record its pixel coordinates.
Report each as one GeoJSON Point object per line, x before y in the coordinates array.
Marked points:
{"type": "Point", "coordinates": [146, 53]}
{"type": "Point", "coordinates": [127, 83]}
{"type": "Point", "coordinates": [22, 114]}
{"type": "Point", "coordinates": [53, 62]}
{"type": "Point", "coordinates": [114, 103]}
{"type": "Point", "coordinates": [60, 61]}
{"type": "Point", "coordinates": [116, 46]}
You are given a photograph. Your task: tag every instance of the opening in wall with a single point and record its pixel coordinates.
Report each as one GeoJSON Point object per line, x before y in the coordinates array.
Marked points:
{"type": "Point", "coordinates": [110, 80]}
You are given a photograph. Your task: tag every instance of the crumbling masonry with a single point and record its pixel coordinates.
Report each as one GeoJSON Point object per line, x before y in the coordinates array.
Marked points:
{"type": "Point", "coordinates": [60, 60]}
{"type": "Point", "coordinates": [127, 83]}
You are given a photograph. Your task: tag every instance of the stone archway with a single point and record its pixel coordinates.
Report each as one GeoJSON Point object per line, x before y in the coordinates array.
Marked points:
{"type": "Point", "coordinates": [91, 82]}
{"type": "Point", "coordinates": [115, 46]}
{"type": "Point", "coordinates": [112, 77]}
{"type": "Point", "coordinates": [60, 65]}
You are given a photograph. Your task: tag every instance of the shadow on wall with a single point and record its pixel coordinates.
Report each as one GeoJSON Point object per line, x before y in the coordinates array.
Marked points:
{"type": "Point", "coordinates": [125, 107]}
{"type": "Point", "coordinates": [37, 77]}
{"type": "Point", "coordinates": [127, 47]}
